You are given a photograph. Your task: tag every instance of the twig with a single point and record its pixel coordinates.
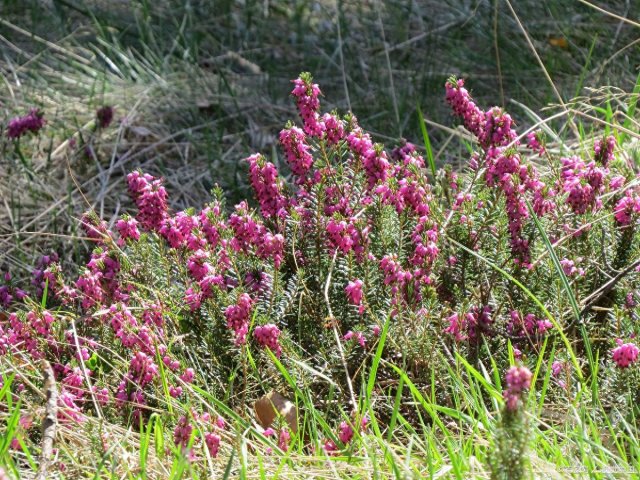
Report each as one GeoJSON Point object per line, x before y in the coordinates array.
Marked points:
{"type": "Point", "coordinates": [611, 14]}
{"type": "Point", "coordinates": [50, 420]}
{"type": "Point", "coordinates": [335, 331]}
{"type": "Point", "coordinates": [84, 369]}
{"type": "Point", "coordinates": [592, 299]}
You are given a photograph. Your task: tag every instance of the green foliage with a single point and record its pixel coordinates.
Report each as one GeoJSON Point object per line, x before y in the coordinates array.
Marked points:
{"type": "Point", "coordinates": [509, 456]}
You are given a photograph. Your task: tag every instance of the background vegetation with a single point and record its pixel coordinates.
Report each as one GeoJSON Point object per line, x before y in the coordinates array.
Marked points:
{"type": "Point", "coordinates": [199, 84]}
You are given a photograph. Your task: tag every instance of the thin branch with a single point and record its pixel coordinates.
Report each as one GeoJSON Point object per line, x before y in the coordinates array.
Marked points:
{"type": "Point", "coordinates": [611, 14]}
{"type": "Point", "coordinates": [595, 297]}
{"type": "Point", "coordinates": [335, 330]}
{"type": "Point", "coordinates": [50, 421]}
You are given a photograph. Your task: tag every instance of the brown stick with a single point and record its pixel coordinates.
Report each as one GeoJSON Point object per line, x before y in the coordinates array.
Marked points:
{"type": "Point", "coordinates": [50, 420]}
{"type": "Point", "coordinates": [595, 297]}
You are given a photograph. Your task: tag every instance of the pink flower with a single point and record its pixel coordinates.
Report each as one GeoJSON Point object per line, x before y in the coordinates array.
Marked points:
{"type": "Point", "coordinates": [142, 369]}
{"type": "Point", "coordinates": [32, 122]}
{"type": "Point", "coordinates": [267, 337]}
{"type": "Point", "coordinates": [182, 432]}
{"type": "Point", "coordinates": [188, 375]}
{"type": "Point", "coordinates": [334, 128]}
{"type": "Point", "coordinates": [104, 116]}
{"type": "Point", "coordinates": [569, 268]}
{"type": "Point", "coordinates": [283, 439]}
{"type": "Point", "coordinates": [517, 380]}
{"type": "Point", "coordinates": [150, 197]}
{"type": "Point", "coordinates": [354, 293]}
{"type": "Point", "coordinates": [529, 325]}
{"type": "Point", "coordinates": [374, 159]}
{"type": "Point", "coordinates": [616, 182]}
{"type": "Point", "coordinates": [497, 128]}
{"type": "Point", "coordinates": [307, 93]}
{"type": "Point", "coordinates": [357, 336]}
{"type": "Point", "coordinates": [535, 143]}
{"type": "Point", "coordinates": [603, 150]}
{"type": "Point", "coordinates": [470, 325]}
{"type": "Point", "coordinates": [345, 433]}
{"type": "Point", "coordinates": [128, 229]}
{"type": "Point", "coordinates": [558, 367]}
{"type": "Point", "coordinates": [346, 237]}
{"type": "Point", "coordinates": [211, 224]}
{"type": "Point", "coordinates": [271, 246]}
{"type": "Point", "coordinates": [198, 265]}
{"type": "Point", "coordinates": [238, 316]}
{"type": "Point", "coordinates": [625, 354]}
{"type": "Point", "coordinates": [298, 153]}
{"type": "Point", "coordinates": [583, 183]}
{"type": "Point", "coordinates": [627, 208]}
{"type": "Point", "coordinates": [463, 106]}
{"type": "Point", "coordinates": [266, 185]}
{"type": "Point", "coordinates": [95, 228]}
{"type": "Point", "coordinates": [102, 395]}
{"type": "Point", "coordinates": [330, 447]}
{"type": "Point", "coordinates": [212, 441]}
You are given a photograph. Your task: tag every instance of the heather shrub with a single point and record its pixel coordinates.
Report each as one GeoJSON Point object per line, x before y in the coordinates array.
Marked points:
{"type": "Point", "coordinates": [351, 255]}
{"type": "Point", "coordinates": [509, 456]}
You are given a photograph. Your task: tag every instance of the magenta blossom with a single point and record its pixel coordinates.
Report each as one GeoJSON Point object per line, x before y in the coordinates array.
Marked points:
{"type": "Point", "coordinates": [32, 122]}
{"type": "Point", "coordinates": [518, 379]}
{"type": "Point", "coordinates": [625, 354]}
{"type": "Point", "coordinates": [355, 295]}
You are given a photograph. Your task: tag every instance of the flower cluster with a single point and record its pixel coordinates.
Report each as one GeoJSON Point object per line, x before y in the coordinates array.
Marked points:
{"type": "Point", "coordinates": [151, 199]}
{"type": "Point", "coordinates": [625, 354]}
{"type": "Point", "coordinates": [627, 208]}
{"type": "Point", "coordinates": [356, 229]}
{"type": "Point", "coordinates": [297, 152]}
{"type": "Point", "coordinates": [307, 93]}
{"type": "Point", "coordinates": [10, 293]}
{"type": "Point", "coordinates": [284, 437]}
{"type": "Point", "coordinates": [357, 337]}
{"type": "Point", "coordinates": [518, 379]}
{"type": "Point", "coordinates": [128, 229]}
{"type": "Point", "coordinates": [470, 325]}
{"type": "Point", "coordinates": [346, 237]}
{"type": "Point", "coordinates": [374, 159]}
{"type": "Point", "coordinates": [528, 325]}
{"type": "Point", "coordinates": [583, 182]}
{"type": "Point", "coordinates": [346, 434]}
{"type": "Point", "coordinates": [238, 317]}
{"type": "Point", "coordinates": [31, 122]}
{"type": "Point", "coordinates": [570, 269]}
{"type": "Point", "coordinates": [264, 180]}
{"type": "Point", "coordinates": [267, 337]}
{"type": "Point", "coordinates": [463, 106]}
{"type": "Point", "coordinates": [208, 430]}
{"type": "Point", "coordinates": [334, 128]}
{"type": "Point", "coordinates": [505, 168]}
{"type": "Point", "coordinates": [603, 150]}
{"type": "Point", "coordinates": [535, 142]}
{"type": "Point", "coordinates": [355, 295]}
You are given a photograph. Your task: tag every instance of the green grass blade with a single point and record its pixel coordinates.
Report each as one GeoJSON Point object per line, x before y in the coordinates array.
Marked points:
{"type": "Point", "coordinates": [427, 143]}
{"type": "Point", "coordinates": [536, 300]}
{"type": "Point", "coordinates": [565, 284]}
